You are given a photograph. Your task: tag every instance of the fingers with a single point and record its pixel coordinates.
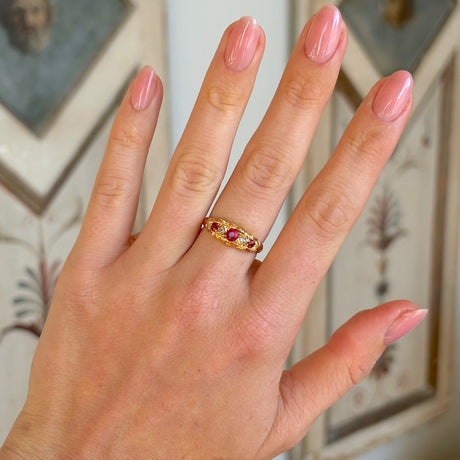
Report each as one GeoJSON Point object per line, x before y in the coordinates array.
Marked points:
{"type": "Point", "coordinates": [273, 157]}
{"type": "Point", "coordinates": [113, 204]}
{"type": "Point", "coordinates": [316, 382]}
{"type": "Point", "coordinates": [199, 163]}
{"type": "Point", "coordinates": [333, 202]}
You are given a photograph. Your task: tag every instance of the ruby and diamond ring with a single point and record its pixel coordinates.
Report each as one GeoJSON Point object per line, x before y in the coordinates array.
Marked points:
{"type": "Point", "coordinates": [232, 235]}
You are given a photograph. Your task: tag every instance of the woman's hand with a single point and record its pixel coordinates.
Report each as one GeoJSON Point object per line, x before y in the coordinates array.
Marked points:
{"type": "Point", "coordinates": [174, 346]}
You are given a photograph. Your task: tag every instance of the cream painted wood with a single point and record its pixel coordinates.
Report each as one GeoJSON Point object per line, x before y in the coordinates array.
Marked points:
{"type": "Point", "coordinates": [314, 332]}
{"type": "Point", "coordinates": [154, 50]}
{"type": "Point", "coordinates": [363, 74]}
{"type": "Point", "coordinates": [24, 153]}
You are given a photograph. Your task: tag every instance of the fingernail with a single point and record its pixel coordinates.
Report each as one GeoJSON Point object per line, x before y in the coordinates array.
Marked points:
{"type": "Point", "coordinates": [143, 89]}
{"type": "Point", "coordinates": [404, 324]}
{"type": "Point", "coordinates": [242, 44]}
{"type": "Point", "coordinates": [393, 96]}
{"type": "Point", "coordinates": [323, 35]}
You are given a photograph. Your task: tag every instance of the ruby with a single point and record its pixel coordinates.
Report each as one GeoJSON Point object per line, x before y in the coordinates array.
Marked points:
{"type": "Point", "coordinates": [251, 244]}
{"type": "Point", "coordinates": [232, 234]}
{"type": "Point", "coordinates": [214, 226]}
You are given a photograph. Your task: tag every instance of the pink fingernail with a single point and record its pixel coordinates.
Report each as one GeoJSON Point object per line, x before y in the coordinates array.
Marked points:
{"type": "Point", "coordinates": [324, 34]}
{"type": "Point", "coordinates": [393, 96]}
{"type": "Point", "coordinates": [403, 324]}
{"type": "Point", "coordinates": [143, 89]}
{"type": "Point", "coordinates": [242, 44]}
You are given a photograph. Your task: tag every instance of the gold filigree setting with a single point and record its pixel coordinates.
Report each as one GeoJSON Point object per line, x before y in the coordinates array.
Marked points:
{"type": "Point", "coordinates": [232, 235]}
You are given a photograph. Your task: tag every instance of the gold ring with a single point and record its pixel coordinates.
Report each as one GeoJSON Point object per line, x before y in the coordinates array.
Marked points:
{"type": "Point", "coordinates": [232, 235]}
{"type": "Point", "coordinates": [133, 238]}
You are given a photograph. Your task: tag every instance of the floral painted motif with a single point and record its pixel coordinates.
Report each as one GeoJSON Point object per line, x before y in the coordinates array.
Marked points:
{"type": "Point", "coordinates": [383, 231]}
{"type": "Point", "coordinates": [383, 365]}
{"type": "Point", "coordinates": [36, 286]}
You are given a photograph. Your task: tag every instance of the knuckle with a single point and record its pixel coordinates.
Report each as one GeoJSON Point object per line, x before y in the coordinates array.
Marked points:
{"type": "Point", "coordinates": [224, 100]}
{"type": "Point", "coordinates": [300, 90]}
{"type": "Point", "coordinates": [114, 189]}
{"type": "Point", "coordinates": [267, 171]}
{"type": "Point", "coordinates": [126, 137]}
{"type": "Point", "coordinates": [353, 362]}
{"type": "Point", "coordinates": [258, 332]}
{"type": "Point", "coordinates": [357, 369]}
{"type": "Point", "coordinates": [331, 213]}
{"type": "Point", "coordinates": [195, 174]}
{"type": "Point", "coordinates": [81, 297]}
{"type": "Point", "coordinates": [365, 148]}
{"type": "Point", "coordinates": [192, 305]}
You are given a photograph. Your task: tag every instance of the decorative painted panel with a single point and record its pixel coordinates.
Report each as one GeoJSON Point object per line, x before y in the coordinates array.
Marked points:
{"type": "Point", "coordinates": [43, 59]}
{"type": "Point", "coordinates": [396, 33]}
{"type": "Point", "coordinates": [68, 83]}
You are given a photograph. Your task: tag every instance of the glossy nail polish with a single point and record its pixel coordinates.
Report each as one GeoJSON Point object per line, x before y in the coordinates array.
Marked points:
{"type": "Point", "coordinates": [324, 34]}
{"type": "Point", "coordinates": [393, 96]}
{"type": "Point", "coordinates": [143, 89]}
{"type": "Point", "coordinates": [242, 44]}
{"type": "Point", "coordinates": [403, 324]}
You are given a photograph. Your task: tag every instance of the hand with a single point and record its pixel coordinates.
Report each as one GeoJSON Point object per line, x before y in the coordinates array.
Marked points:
{"type": "Point", "coordinates": [174, 346]}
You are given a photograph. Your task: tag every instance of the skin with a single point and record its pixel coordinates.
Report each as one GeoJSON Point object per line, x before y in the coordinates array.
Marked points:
{"type": "Point", "coordinates": [174, 346]}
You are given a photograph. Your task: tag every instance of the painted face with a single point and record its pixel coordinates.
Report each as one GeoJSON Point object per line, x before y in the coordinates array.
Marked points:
{"type": "Point", "coordinates": [28, 23]}
{"type": "Point", "coordinates": [397, 11]}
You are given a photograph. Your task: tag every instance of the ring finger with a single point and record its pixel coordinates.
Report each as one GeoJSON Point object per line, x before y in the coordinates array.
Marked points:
{"type": "Point", "coordinates": [274, 155]}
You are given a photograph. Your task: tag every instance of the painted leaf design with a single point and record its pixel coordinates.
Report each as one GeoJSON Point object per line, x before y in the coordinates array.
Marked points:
{"type": "Point", "coordinates": [33, 276]}
{"type": "Point", "coordinates": [37, 288]}
{"type": "Point", "coordinates": [22, 300]}
{"type": "Point", "coordinates": [28, 286]}
{"type": "Point", "coordinates": [22, 313]}
{"type": "Point", "coordinates": [384, 222]}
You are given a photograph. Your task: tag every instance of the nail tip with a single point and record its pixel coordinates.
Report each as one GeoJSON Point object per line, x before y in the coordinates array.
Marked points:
{"type": "Point", "coordinates": [143, 89]}
{"type": "Point", "coordinates": [403, 72]}
{"type": "Point", "coordinates": [248, 19]}
{"type": "Point", "coordinates": [242, 44]}
{"type": "Point", "coordinates": [423, 312]}
{"type": "Point", "coordinates": [406, 76]}
{"type": "Point", "coordinates": [393, 96]}
{"type": "Point", "coordinates": [323, 35]}
{"type": "Point", "coordinates": [404, 324]}
{"type": "Point", "coordinates": [150, 69]}
{"type": "Point", "coordinates": [331, 7]}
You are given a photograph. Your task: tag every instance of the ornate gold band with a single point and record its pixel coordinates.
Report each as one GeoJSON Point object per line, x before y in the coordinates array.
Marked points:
{"type": "Point", "coordinates": [232, 235]}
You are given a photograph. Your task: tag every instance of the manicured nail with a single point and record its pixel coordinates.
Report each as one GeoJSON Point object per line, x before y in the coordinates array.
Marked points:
{"type": "Point", "coordinates": [393, 96]}
{"type": "Point", "coordinates": [404, 324]}
{"type": "Point", "coordinates": [143, 89]}
{"type": "Point", "coordinates": [323, 35]}
{"type": "Point", "coordinates": [242, 44]}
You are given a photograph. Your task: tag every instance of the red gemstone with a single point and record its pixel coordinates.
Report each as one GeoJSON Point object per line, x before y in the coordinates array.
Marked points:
{"type": "Point", "coordinates": [232, 234]}
{"type": "Point", "coordinates": [251, 244]}
{"type": "Point", "coordinates": [214, 226]}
